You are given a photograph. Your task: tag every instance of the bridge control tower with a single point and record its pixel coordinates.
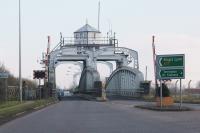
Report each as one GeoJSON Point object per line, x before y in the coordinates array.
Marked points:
{"type": "Point", "coordinates": [89, 47]}
{"type": "Point", "coordinates": [86, 35]}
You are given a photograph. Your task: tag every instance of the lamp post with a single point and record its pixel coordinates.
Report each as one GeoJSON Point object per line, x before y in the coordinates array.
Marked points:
{"type": "Point", "coordinates": [20, 77]}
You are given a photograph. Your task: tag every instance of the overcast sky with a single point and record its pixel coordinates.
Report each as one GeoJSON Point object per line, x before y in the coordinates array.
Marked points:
{"type": "Point", "coordinates": [175, 23]}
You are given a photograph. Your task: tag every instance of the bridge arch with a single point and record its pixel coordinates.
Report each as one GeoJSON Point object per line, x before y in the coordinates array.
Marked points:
{"type": "Point", "coordinates": [124, 79]}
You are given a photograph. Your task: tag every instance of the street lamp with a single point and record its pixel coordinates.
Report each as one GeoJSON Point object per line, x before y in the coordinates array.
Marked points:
{"type": "Point", "coordinates": [20, 76]}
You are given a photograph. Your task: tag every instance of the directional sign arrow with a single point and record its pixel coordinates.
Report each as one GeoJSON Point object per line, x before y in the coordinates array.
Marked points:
{"type": "Point", "coordinates": [170, 66]}
{"type": "Point", "coordinates": [171, 73]}
{"type": "Point", "coordinates": [171, 61]}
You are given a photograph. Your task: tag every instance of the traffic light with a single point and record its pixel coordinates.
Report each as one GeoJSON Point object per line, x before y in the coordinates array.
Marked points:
{"type": "Point", "coordinates": [34, 74]}
{"type": "Point", "coordinates": [39, 74]}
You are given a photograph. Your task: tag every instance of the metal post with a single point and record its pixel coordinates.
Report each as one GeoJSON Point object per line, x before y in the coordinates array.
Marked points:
{"type": "Point", "coordinates": [6, 89]}
{"type": "Point", "coordinates": [20, 78]}
{"type": "Point", "coordinates": [176, 88]}
{"type": "Point", "coordinates": [99, 15]}
{"type": "Point", "coordinates": [146, 74]}
{"type": "Point", "coordinates": [180, 94]}
{"type": "Point", "coordinates": [114, 39]}
{"type": "Point", "coordinates": [87, 38]}
{"type": "Point", "coordinates": [40, 87]}
{"type": "Point", "coordinates": [154, 62]}
{"type": "Point", "coordinates": [161, 94]}
{"type": "Point", "coordinates": [189, 84]}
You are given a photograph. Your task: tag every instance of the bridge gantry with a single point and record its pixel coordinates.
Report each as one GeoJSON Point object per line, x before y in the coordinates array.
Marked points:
{"type": "Point", "coordinates": [87, 46]}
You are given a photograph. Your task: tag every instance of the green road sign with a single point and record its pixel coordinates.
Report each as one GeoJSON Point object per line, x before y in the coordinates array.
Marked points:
{"type": "Point", "coordinates": [171, 61]}
{"type": "Point", "coordinates": [170, 66]}
{"type": "Point", "coordinates": [171, 73]}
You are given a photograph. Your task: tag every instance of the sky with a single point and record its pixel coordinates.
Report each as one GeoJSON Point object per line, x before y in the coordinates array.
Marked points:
{"type": "Point", "coordinates": [175, 23]}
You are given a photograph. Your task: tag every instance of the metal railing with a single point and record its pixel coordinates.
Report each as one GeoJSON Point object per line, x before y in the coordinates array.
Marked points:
{"type": "Point", "coordinates": [125, 92]}
{"type": "Point", "coordinates": [89, 41]}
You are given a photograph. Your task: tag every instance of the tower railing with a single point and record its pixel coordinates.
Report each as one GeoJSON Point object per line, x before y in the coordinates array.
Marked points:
{"type": "Point", "coordinates": [89, 41]}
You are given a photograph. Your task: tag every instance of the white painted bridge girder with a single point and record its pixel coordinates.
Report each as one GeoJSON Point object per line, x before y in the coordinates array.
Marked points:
{"type": "Point", "coordinates": [90, 56]}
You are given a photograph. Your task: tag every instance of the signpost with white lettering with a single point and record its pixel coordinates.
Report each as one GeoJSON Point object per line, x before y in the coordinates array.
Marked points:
{"type": "Point", "coordinates": [170, 67]}
{"type": "Point", "coordinates": [3, 75]}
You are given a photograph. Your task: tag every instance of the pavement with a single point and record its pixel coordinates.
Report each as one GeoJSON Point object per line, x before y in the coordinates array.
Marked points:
{"type": "Point", "coordinates": [114, 116]}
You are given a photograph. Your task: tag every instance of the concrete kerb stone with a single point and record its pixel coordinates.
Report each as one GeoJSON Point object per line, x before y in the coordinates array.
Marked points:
{"type": "Point", "coordinates": [167, 108]}
{"type": "Point", "coordinates": [92, 98]}
{"type": "Point", "coordinates": [101, 99]}
{"type": "Point", "coordinates": [21, 113]}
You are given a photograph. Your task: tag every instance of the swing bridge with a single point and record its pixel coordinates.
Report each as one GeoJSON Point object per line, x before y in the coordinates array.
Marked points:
{"type": "Point", "coordinates": [87, 48]}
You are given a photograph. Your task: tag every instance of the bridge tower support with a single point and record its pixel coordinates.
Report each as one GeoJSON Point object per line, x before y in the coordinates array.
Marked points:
{"type": "Point", "coordinates": [88, 77]}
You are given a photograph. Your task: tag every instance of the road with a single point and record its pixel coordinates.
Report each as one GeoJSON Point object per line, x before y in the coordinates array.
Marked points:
{"type": "Point", "coordinates": [116, 116]}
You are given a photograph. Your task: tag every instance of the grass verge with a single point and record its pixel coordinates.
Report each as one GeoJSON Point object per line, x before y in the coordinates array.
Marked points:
{"type": "Point", "coordinates": [12, 109]}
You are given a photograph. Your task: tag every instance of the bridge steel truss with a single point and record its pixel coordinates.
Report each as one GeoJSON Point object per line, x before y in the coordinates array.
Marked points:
{"type": "Point", "coordinates": [90, 55]}
{"type": "Point", "coordinates": [124, 81]}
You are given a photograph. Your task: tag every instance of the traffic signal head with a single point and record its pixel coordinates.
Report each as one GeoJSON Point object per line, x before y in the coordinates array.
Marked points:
{"type": "Point", "coordinates": [39, 74]}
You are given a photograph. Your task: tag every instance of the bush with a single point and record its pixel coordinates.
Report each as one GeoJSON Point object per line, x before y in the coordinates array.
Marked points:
{"type": "Point", "coordinates": [165, 91]}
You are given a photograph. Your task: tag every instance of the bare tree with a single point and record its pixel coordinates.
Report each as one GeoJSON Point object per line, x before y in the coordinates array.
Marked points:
{"type": "Point", "coordinates": [13, 81]}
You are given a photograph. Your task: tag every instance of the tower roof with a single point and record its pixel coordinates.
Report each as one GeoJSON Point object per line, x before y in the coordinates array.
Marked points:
{"type": "Point", "coordinates": [87, 28]}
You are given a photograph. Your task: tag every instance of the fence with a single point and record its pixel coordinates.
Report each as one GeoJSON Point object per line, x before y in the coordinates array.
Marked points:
{"type": "Point", "coordinates": [125, 92]}
{"type": "Point", "coordinates": [27, 94]}
{"type": "Point", "coordinates": [13, 93]}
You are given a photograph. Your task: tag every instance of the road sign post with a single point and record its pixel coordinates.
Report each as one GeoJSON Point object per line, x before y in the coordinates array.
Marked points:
{"type": "Point", "coordinates": [161, 94]}
{"type": "Point", "coordinates": [170, 67]}
{"type": "Point", "coordinates": [180, 94]}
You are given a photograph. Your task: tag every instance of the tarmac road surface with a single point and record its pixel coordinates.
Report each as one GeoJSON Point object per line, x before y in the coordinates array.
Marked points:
{"type": "Point", "coordinates": [115, 116]}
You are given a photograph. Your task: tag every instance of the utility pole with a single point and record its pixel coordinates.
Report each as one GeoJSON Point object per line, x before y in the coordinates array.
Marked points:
{"type": "Point", "coordinates": [20, 76]}
{"type": "Point", "coordinates": [154, 62]}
